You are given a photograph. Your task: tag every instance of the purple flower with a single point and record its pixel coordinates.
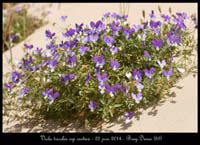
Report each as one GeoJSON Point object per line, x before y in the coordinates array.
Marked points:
{"type": "Point", "coordinates": [137, 27]}
{"type": "Point", "coordinates": [48, 34]}
{"type": "Point", "coordinates": [161, 63]}
{"type": "Point", "coordinates": [83, 49]}
{"type": "Point", "coordinates": [63, 18]}
{"type": "Point", "coordinates": [93, 37]}
{"type": "Point", "coordinates": [139, 86]}
{"type": "Point", "coordinates": [113, 50]}
{"type": "Point", "coordinates": [28, 46]}
{"type": "Point", "coordinates": [50, 94]}
{"type": "Point", "coordinates": [66, 78]}
{"type": "Point", "coordinates": [25, 64]}
{"type": "Point", "coordinates": [99, 60]}
{"type": "Point", "coordinates": [114, 64]}
{"type": "Point", "coordinates": [52, 63]}
{"type": "Point", "coordinates": [92, 105]}
{"type": "Point", "coordinates": [146, 54]}
{"type": "Point", "coordinates": [102, 77]}
{"type": "Point", "coordinates": [69, 32]}
{"type": "Point", "coordinates": [12, 37]}
{"type": "Point", "coordinates": [155, 24]}
{"type": "Point", "coordinates": [115, 27]}
{"type": "Point", "coordinates": [128, 115]}
{"type": "Point", "coordinates": [137, 75]}
{"type": "Point", "coordinates": [113, 89]}
{"type": "Point", "coordinates": [149, 73]}
{"type": "Point", "coordinates": [157, 43]}
{"type": "Point", "coordinates": [88, 78]}
{"type": "Point", "coordinates": [168, 73]}
{"type": "Point", "coordinates": [98, 26]}
{"type": "Point", "coordinates": [8, 86]}
{"type": "Point", "coordinates": [166, 17]}
{"type": "Point", "coordinates": [52, 46]}
{"type": "Point", "coordinates": [16, 76]}
{"type": "Point", "coordinates": [108, 40]}
{"type": "Point", "coordinates": [128, 32]}
{"type": "Point", "coordinates": [137, 97]}
{"type": "Point", "coordinates": [71, 60]}
{"type": "Point", "coordinates": [24, 91]}
{"type": "Point", "coordinates": [79, 28]}
{"type": "Point", "coordinates": [173, 39]}
{"type": "Point", "coordinates": [124, 89]}
{"type": "Point", "coordinates": [38, 51]}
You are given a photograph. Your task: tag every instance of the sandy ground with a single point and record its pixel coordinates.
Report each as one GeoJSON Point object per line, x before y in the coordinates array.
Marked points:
{"type": "Point", "coordinates": [177, 114]}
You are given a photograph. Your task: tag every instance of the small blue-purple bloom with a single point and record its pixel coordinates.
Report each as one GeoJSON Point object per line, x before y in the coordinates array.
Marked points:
{"type": "Point", "coordinates": [128, 115]}
{"type": "Point", "coordinates": [167, 73]}
{"type": "Point", "coordinates": [102, 77]}
{"type": "Point", "coordinates": [99, 60]}
{"type": "Point", "coordinates": [137, 97]}
{"type": "Point", "coordinates": [63, 18]}
{"type": "Point", "coordinates": [16, 76]}
{"type": "Point", "coordinates": [114, 64]}
{"type": "Point", "coordinates": [50, 94]}
{"type": "Point", "coordinates": [49, 34]}
{"type": "Point", "coordinates": [66, 78]}
{"type": "Point", "coordinates": [92, 105]}
{"type": "Point", "coordinates": [108, 40]}
{"type": "Point", "coordinates": [12, 37]}
{"type": "Point", "coordinates": [69, 32]}
{"type": "Point", "coordinates": [24, 91]}
{"type": "Point", "coordinates": [166, 17]}
{"type": "Point", "coordinates": [146, 54]}
{"type": "Point", "coordinates": [113, 50]}
{"type": "Point", "coordinates": [139, 86]}
{"type": "Point", "coordinates": [28, 46]}
{"type": "Point", "coordinates": [83, 50]}
{"type": "Point", "coordinates": [8, 86]}
{"type": "Point", "coordinates": [149, 73]}
{"type": "Point", "coordinates": [137, 75]}
{"type": "Point", "coordinates": [157, 43]}
{"type": "Point", "coordinates": [173, 39]}
{"type": "Point", "coordinates": [71, 60]}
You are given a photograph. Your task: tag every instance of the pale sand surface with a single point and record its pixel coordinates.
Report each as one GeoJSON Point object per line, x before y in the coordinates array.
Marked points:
{"type": "Point", "coordinates": [176, 114]}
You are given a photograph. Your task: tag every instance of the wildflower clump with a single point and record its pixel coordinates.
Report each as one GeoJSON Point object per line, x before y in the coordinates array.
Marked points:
{"type": "Point", "coordinates": [104, 69]}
